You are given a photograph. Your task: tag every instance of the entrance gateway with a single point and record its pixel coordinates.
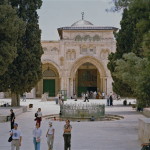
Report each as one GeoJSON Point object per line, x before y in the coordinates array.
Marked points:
{"type": "Point", "coordinates": [87, 78]}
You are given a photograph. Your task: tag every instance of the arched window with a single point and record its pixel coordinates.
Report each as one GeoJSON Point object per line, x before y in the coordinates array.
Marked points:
{"type": "Point", "coordinates": [49, 73]}
{"type": "Point", "coordinates": [78, 38]}
{"type": "Point", "coordinates": [87, 37]}
{"type": "Point", "coordinates": [96, 38]}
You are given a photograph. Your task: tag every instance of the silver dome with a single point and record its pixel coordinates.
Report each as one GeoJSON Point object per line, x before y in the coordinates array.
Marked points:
{"type": "Point", "coordinates": [82, 23]}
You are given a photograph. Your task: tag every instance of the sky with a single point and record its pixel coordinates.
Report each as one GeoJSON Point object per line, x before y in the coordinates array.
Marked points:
{"type": "Point", "coordinates": [60, 13]}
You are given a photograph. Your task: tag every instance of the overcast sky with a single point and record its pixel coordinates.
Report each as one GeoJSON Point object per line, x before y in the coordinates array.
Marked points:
{"type": "Point", "coordinates": [59, 13]}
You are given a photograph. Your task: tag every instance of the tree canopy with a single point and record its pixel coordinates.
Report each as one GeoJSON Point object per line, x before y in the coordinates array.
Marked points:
{"type": "Point", "coordinates": [11, 28]}
{"type": "Point", "coordinates": [25, 71]}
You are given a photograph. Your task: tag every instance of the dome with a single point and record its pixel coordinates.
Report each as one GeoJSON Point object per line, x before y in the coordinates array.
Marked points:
{"type": "Point", "coordinates": [82, 23]}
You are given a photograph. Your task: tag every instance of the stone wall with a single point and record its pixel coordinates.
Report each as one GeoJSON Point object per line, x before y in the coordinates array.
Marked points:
{"type": "Point", "coordinates": [144, 130]}
{"type": "Point", "coordinates": [146, 112]}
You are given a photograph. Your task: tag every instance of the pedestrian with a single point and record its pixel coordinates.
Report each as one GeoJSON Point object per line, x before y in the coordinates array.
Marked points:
{"type": "Point", "coordinates": [111, 100]}
{"type": "Point", "coordinates": [37, 133]}
{"type": "Point", "coordinates": [24, 97]}
{"type": "Point", "coordinates": [67, 135]}
{"type": "Point", "coordinates": [50, 136]}
{"type": "Point", "coordinates": [12, 118]}
{"type": "Point", "coordinates": [16, 138]}
{"type": "Point", "coordinates": [103, 95]}
{"type": "Point", "coordinates": [75, 97]}
{"type": "Point", "coordinates": [86, 97]}
{"type": "Point", "coordinates": [38, 116]}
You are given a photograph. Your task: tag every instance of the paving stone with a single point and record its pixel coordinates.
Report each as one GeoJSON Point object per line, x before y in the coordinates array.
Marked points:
{"type": "Point", "coordinates": [98, 135]}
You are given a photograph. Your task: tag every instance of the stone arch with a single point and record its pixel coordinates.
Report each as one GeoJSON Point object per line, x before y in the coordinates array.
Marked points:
{"type": "Point", "coordinates": [53, 65]}
{"type": "Point", "coordinates": [96, 38]}
{"type": "Point", "coordinates": [54, 51]}
{"type": "Point", "coordinates": [78, 38]}
{"type": "Point", "coordinates": [87, 37]}
{"type": "Point", "coordinates": [49, 73]}
{"type": "Point", "coordinates": [85, 59]}
{"type": "Point", "coordinates": [50, 82]}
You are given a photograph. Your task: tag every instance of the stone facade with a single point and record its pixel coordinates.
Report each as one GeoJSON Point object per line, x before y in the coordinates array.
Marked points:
{"type": "Point", "coordinates": [80, 44]}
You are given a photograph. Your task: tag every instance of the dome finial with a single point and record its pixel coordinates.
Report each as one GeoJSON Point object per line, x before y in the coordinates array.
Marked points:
{"type": "Point", "coordinates": [82, 15]}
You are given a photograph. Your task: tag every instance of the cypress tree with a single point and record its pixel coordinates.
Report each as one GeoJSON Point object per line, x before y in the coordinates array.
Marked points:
{"type": "Point", "coordinates": [25, 71]}
{"type": "Point", "coordinates": [11, 27]}
{"type": "Point", "coordinates": [124, 38]}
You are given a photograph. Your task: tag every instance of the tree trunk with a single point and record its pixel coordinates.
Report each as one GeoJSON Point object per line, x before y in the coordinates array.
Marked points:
{"type": "Point", "coordinates": [15, 99]}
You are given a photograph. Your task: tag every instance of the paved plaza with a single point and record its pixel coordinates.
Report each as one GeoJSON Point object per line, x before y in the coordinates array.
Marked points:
{"type": "Point", "coordinates": [97, 135]}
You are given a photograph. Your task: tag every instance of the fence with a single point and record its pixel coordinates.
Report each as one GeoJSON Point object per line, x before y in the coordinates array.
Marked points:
{"type": "Point", "coordinates": [82, 110]}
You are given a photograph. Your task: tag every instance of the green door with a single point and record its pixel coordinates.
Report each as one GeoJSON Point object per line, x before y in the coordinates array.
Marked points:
{"type": "Point", "coordinates": [49, 87]}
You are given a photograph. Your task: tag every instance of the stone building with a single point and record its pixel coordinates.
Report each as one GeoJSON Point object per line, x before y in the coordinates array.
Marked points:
{"type": "Point", "coordinates": [78, 61]}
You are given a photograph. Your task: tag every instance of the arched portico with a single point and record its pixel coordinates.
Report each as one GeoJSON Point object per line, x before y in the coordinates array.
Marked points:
{"type": "Point", "coordinates": [50, 82]}
{"type": "Point", "coordinates": [87, 59]}
{"type": "Point", "coordinates": [95, 75]}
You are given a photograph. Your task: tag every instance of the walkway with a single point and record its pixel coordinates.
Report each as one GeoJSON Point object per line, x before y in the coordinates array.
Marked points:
{"type": "Point", "coordinates": [103, 135]}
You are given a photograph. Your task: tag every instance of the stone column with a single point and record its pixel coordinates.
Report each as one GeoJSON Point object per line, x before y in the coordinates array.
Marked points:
{"type": "Point", "coordinates": [62, 83]}
{"type": "Point", "coordinates": [68, 87]}
{"type": "Point", "coordinates": [109, 85]}
{"type": "Point", "coordinates": [101, 84]}
{"type": "Point", "coordinates": [71, 87]}
{"type": "Point", "coordinates": [74, 86]}
{"type": "Point", "coordinates": [106, 86]}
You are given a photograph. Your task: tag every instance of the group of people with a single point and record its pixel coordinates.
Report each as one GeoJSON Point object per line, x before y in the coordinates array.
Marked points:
{"type": "Point", "coordinates": [37, 133]}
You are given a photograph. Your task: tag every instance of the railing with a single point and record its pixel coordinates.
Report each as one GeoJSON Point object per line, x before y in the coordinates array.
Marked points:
{"type": "Point", "coordinates": [82, 110]}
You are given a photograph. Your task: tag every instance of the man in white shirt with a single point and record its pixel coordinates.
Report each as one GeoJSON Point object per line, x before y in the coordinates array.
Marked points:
{"type": "Point", "coordinates": [37, 133]}
{"type": "Point", "coordinates": [16, 138]}
{"type": "Point", "coordinates": [50, 136]}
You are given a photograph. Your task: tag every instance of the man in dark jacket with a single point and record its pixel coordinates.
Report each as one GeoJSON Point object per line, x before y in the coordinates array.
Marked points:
{"type": "Point", "coordinates": [12, 119]}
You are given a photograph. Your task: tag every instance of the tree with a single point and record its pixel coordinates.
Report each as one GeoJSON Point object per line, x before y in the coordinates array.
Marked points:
{"type": "Point", "coordinates": [135, 25]}
{"type": "Point", "coordinates": [11, 28]}
{"type": "Point", "coordinates": [133, 68]}
{"type": "Point", "coordinates": [25, 71]}
{"type": "Point", "coordinates": [124, 38]}
{"type": "Point", "coordinates": [135, 71]}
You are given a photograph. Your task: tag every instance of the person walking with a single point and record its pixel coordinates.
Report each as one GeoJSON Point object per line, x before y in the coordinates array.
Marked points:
{"type": "Point", "coordinates": [111, 100]}
{"type": "Point", "coordinates": [12, 118]}
{"type": "Point", "coordinates": [37, 133]}
{"type": "Point", "coordinates": [86, 97]}
{"type": "Point", "coordinates": [50, 136]}
{"type": "Point", "coordinates": [39, 116]}
{"type": "Point", "coordinates": [67, 135]}
{"type": "Point", "coordinates": [75, 97]}
{"type": "Point", "coordinates": [24, 97]}
{"type": "Point", "coordinates": [16, 138]}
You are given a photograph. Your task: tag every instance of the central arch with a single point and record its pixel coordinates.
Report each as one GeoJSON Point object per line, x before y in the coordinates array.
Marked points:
{"type": "Point", "coordinates": [84, 60]}
{"type": "Point", "coordinates": [87, 74]}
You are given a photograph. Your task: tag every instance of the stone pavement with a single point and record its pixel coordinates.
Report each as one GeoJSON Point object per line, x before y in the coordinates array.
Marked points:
{"type": "Point", "coordinates": [98, 135]}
